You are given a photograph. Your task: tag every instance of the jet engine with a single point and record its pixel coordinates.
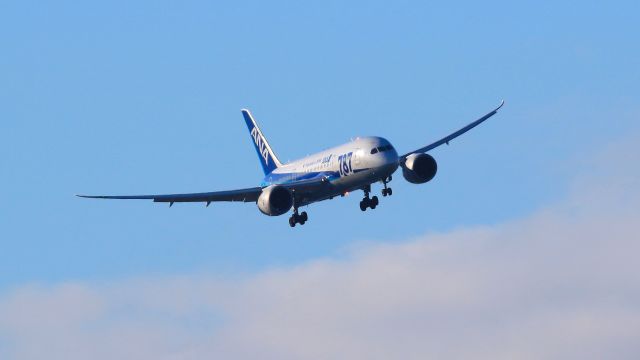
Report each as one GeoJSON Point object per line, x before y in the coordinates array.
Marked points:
{"type": "Point", "coordinates": [275, 200]}
{"type": "Point", "coordinates": [419, 168]}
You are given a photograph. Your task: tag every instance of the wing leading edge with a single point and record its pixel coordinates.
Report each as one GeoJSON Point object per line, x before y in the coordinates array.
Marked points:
{"type": "Point", "coordinates": [448, 138]}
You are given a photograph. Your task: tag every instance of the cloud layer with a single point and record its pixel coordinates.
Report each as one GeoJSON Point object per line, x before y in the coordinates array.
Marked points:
{"type": "Point", "coordinates": [563, 283]}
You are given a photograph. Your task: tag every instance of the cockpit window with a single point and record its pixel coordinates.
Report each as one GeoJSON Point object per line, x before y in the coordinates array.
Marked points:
{"type": "Point", "coordinates": [381, 149]}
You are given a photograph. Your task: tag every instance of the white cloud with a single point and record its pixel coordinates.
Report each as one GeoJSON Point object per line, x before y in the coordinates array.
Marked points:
{"type": "Point", "coordinates": [563, 283]}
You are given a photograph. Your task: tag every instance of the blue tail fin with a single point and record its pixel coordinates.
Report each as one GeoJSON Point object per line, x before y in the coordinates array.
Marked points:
{"type": "Point", "coordinates": [268, 159]}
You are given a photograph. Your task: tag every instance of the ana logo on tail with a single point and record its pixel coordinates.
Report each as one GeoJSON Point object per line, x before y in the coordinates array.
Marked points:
{"type": "Point", "coordinates": [261, 144]}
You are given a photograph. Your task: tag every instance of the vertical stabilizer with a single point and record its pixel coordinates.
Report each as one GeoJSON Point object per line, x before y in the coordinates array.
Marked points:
{"type": "Point", "coordinates": [267, 157]}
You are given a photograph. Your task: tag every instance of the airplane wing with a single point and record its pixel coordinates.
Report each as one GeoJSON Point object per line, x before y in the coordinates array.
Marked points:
{"type": "Point", "coordinates": [448, 138]}
{"type": "Point", "coordinates": [244, 195]}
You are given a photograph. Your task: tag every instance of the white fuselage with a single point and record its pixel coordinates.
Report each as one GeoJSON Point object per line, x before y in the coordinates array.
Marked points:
{"type": "Point", "coordinates": [352, 166]}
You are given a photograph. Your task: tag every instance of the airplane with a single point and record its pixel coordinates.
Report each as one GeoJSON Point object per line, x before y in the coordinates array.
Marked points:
{"type": "Point", "coordinates": [334, 172]}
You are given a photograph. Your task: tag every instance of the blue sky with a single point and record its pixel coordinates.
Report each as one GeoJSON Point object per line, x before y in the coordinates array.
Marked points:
{"type": "Point", "coordinates": [126, 97]}
{"type": "Point", "coordinates": [523, 243]}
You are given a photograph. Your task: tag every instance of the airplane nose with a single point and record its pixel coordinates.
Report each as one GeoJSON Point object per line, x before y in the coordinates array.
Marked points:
{"type": "Point", "coordinates": [391, 159]}
{"type": "Point", "coordinates": [392, 155]}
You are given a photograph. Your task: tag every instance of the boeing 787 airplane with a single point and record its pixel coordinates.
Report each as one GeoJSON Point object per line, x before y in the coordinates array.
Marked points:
{"type": "Point", "coordinates": [353, 166]}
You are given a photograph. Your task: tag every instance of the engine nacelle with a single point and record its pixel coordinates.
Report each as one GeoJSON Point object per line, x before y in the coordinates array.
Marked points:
{"type": "Point", "coordinates": [419, 168]}
{"type": "Point", "coordinates": [275, 200]}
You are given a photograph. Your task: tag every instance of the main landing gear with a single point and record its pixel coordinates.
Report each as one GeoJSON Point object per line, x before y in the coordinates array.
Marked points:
{"type": "Point", "coordinates": [371, 203]}
{"type": "Point", "coordinates": [298, 218]}
{"type": "Point", "coordinates": [387, 190]}
{"type": "Point", "coordinates": [368, 202]}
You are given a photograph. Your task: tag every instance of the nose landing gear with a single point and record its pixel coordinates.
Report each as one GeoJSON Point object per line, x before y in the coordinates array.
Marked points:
{"type": "Point", "coordinates": [387, 190]}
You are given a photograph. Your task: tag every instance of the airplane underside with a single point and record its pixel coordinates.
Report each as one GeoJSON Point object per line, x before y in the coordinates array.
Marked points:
{"type": "Point", "coordinates": [340, 187]}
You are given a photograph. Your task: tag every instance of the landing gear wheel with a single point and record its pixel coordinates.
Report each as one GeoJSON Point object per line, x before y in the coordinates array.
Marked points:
{"type": "Point", "coordinates": [370, 203]}
{"type": "Point", "coordinates": [298, 218]}
{"type": "Point", "coordinates": [374, 202]}
{"type": "Point", "coordinates": [387, 190]}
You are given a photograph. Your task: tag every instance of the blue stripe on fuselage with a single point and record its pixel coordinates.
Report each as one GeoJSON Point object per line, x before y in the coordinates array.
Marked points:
{"type": "Point", "coordinates": [287, 178]}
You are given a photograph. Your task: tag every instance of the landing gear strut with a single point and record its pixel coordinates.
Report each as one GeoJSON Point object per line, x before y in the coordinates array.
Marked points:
{"type": "Point", "coordinates": [298, 218]}
{"type": "Point", "coordinates": [368, 202]}
{"type": "Point", "coordinates": [387, 190]}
